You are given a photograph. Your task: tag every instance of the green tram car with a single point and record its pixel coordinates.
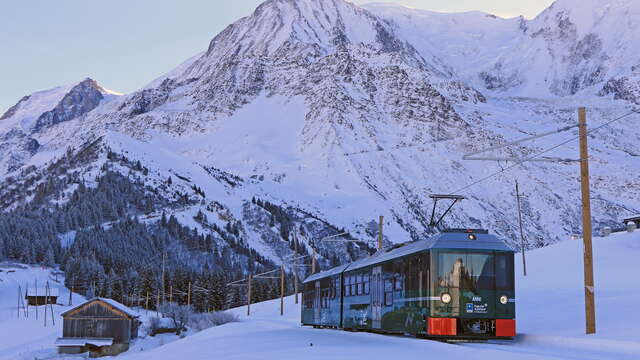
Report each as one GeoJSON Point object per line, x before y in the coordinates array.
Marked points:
{"type": "Point", "coordinates": [458, 284]}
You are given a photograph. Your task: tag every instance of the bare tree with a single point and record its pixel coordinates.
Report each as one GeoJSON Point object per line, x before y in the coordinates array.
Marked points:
{"type": "Point", "coordinates": [180, 314]}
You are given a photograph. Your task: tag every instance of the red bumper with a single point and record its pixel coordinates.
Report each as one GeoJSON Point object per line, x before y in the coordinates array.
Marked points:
{"type": "Point", "coordinates": [442, 326]}
{"type": "Point", "coordinates": [505, 327]}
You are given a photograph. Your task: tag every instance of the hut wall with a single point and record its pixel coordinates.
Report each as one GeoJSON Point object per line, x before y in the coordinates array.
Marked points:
{"type": "Point", "coordinates": [118, 329]}
{"type": "Point", "coordinates": [98, 320]}
{"type": "Point", "coordinates": [41, 300]}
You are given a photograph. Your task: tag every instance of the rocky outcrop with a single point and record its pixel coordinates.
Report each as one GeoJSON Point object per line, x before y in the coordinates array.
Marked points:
{"type": "Point", "coordinates": [82, 98]}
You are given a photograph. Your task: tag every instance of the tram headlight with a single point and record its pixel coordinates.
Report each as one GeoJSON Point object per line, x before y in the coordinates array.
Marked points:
{"type": "Point", "coordinates": [504, 299]}
{"type": "Point", "coordinates": [445, 298]}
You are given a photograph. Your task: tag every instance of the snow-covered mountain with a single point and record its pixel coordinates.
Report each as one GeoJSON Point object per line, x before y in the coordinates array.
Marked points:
{"type": "Point", "coordinates": [338, 114]}
{"type": "Point", "coordinates": [571, 47]}
{"type": "Point", "coordinates": [36, 112]}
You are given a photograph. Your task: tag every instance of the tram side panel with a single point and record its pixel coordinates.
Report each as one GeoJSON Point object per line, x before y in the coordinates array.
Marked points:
{"type": "Point", "coordinates": [356, 299]}
{"type": "Point", "coordinates": [321, 302]}
{"type": "Point", "coordinates": [405, 294]}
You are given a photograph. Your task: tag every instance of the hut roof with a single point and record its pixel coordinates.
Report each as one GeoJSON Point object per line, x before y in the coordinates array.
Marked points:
{"type": "Point", "coordinates": [53, 291]}
{"type": "Point", "coordinates": [122, 308]}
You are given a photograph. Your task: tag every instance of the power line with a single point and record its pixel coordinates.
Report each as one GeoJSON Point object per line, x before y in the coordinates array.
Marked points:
{"type": "Point", "coordinates": [518, 163]}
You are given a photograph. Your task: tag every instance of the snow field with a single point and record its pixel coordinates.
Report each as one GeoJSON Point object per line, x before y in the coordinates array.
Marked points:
{"type": "Point", "coordinates": [550, 318]}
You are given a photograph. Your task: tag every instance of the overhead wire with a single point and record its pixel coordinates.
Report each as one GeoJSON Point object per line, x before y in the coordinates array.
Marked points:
{"type": "Point", "coordinates": [520, 162]}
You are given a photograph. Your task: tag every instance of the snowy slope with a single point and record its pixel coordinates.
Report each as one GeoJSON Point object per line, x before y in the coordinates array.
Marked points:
{"type": "Point", "coordinates": [28, 338]}
{"type": "Point", "coordinates": [549, 316]}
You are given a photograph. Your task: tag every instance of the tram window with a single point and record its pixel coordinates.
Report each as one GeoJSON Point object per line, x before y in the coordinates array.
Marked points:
{"type": "Point", "coordinates": [336, 287]}
{"type": "Point", "coordinates": [308, 299]}
{"type": "Point", "coordinates": [347, 286]}
{"type": "Point", "coordinates": [388, 292]}
{"type": "Point", "coordinates": [466, 271]}
{"type": "Point", "coordinates": [504, 272]}
{"type": "Point", "coordinates": [360, 284]}
{"type": "Point", "coordinates": [353, 285]}
{"type": "Point", "coordinates": [398, 283]}
{"type": "Point", "coordinates": [366, 280]}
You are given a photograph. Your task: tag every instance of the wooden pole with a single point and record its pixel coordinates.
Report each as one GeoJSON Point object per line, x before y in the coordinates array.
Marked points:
{"type": "Point", "coordinates": [282, 290]}
{"type": "Point", "coordinates": [45, 307]}
{"type": "Point", "coordinates": [522, 246]}
{"type": "Point", "coordinates": [170, 293]}
{"type": "Point", "coordinates": [189, 295]}
{"type": "Point", "coordinates": [36, 291]}
{"type": "Point", "coordinates": [163, 289]}
{"type": "Point", "coordinates": [19, 297]}
{"type": "Point", "coordinates": [71, 296]}
{"type": "Point", "coordinates": [27, 302]}
{"type": "Point", "coordinates": [380, 233]}
{"type": "Point", "coordinates": [589, 290]}
{"type": "Point", "coordinates": [53, 320]}
{"type": "Point", "coordinates": [146, 303]}
{"type": "Point", "coordinates": [313, 262]}
{"type": "Point", "coordinates": [295, 265]}
{"type": "Point", "coordinates": [249, 296]}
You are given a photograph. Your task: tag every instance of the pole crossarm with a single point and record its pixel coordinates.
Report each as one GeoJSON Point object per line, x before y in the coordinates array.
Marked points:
{"type": "Point", "coordinates": [471, 156]}
{"type": "Point", "coordinates": [335, 236]}
{"type": "Point", "coordinates": [258, 276]}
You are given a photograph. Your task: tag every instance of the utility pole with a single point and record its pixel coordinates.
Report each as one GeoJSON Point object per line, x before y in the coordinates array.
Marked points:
{"type": "Point", "coordinates": [380, 233]}
{"type": "Point", "coordinates": [163, 290]}
{"type": "Point", "coordinates": [53, 320]}
{"type": "Point", "coordinates": [249, 296]}
{"type": "Point", "coordinates": [522, 246]}
{"type": "Point", "coordinates": [313, 262]}
{"type": "Point", "coordinates": [295, 265]}
{"type": "Point", "coordinates": [589, 290]}
{"type": "Point", "coordinates": [19, 298]}
{"type": "Point", "coordinates": [282, 290]}
{"type": "Point", "coordinates": [189, 295]}
{"type": "Point", "coordinates": [46, 300]}
{"type": "Point", "coordinates": [36, 291]}
{"type": "Point", "coordinates": [70, 296]}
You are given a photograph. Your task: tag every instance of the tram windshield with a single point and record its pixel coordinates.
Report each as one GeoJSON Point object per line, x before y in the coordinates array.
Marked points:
{"type": "Point", "coordinates": [474, 271]}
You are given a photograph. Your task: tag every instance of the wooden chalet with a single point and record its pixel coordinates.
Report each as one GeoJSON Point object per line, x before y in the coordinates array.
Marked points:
{"type": "Point", "coordinates": [634, 220]}
{"type": "Point", "coordinates": [38, 296]}
{"type": "Point", "coordinates": [103, 327]}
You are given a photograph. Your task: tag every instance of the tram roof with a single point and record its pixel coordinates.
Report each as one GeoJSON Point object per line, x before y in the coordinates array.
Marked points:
{"type": "Point", "coordinates": [445, 240]}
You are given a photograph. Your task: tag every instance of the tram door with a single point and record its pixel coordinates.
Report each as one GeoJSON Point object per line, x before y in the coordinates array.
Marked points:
{"type": "Point", "coordinates": [377, 294]}
{"type": "Point", "coordinates": [316, 304]}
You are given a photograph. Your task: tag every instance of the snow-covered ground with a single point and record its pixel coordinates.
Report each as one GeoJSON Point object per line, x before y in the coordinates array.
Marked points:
{"type": "Point", "coordinates": [28, 338]}
{"type": "Point", "coordinates": [550, 315]}
{"type": "Point", "coordinates": [23, 338]}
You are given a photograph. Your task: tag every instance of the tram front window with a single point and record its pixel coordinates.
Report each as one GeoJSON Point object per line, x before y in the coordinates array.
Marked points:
{"type": "Point", "coordinates": [466, 271]}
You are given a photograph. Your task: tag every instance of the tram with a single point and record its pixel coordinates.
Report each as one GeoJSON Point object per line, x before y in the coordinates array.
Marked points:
{"type": "Point", "coordinates": [458, 284]}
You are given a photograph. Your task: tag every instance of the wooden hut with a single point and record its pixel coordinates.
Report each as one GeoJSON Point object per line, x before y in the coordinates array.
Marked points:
{"type": "Point", "coordinates": [635, 219]}
{"type": "Point", "coordinates": [99, 326]}
{"type": "Point", "coordinates": [38, 296]}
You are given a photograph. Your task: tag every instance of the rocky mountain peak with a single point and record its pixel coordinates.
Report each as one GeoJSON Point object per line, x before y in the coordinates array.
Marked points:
{"type": "Point", "coordinates": [81, 99]}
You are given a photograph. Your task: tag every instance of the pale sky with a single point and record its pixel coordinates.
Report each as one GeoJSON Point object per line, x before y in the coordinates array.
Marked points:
{"type": "Point", "coordinates": [124, 44]}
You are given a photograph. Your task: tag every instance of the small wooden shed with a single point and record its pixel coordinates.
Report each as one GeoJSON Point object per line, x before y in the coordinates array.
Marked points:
{"type": "Point", "coordinates": [37, 296]}
{"type": "Point", "coordinates": [103, 327]}
{"type": "Point", "coordinates": [635, 219]}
